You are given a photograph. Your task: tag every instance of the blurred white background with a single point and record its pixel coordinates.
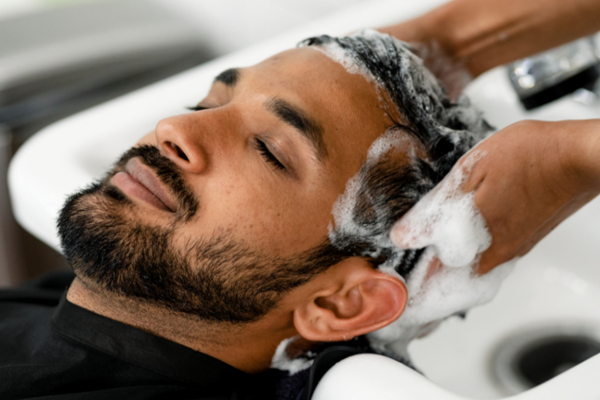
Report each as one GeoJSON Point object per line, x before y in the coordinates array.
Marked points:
{"type": "Point", "coordinates": [228, 24]}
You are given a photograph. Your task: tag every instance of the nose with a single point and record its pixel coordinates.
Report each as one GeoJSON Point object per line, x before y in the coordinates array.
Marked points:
{"type": "Point", "coordinates": [180, 140]}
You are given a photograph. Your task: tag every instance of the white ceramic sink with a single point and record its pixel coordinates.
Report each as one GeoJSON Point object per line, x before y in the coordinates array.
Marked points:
{"type": "Point", "coordinates": [558, 283]}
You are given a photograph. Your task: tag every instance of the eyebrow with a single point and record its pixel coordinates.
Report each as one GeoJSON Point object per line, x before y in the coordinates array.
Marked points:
{"type": "Point", "coordinates": [229, 77]}
{"type": "Point", "coordinates": [297, 118]}
{"type": "Point", "coordinates": [285, 111]}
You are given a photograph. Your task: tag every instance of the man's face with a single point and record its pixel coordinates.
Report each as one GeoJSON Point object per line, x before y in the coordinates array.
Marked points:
{"type": "Point", "coordinates": [280, 206]}
{"type": "Point", "coordinates": [254, 174]}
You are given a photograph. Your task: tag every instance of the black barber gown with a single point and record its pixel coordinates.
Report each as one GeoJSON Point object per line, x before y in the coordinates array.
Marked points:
{"type": "Point", "coordinates": [51, 349]}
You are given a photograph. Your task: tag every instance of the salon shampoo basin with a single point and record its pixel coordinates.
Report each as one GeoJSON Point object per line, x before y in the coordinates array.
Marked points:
{"type": "Point", "coordinates": [371, 376]}
{"type": "Point", "coordinates": [556, 288]}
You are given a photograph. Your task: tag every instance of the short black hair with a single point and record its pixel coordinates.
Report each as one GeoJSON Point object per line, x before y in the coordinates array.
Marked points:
{"type": "Point", "coordinates": [445, 129]}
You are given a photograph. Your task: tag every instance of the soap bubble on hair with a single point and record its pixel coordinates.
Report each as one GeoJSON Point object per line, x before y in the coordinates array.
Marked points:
{"type": "Point", "coordinates": [445, 226]}
{"type": "Point", "coordinates": [447, 220]}
{"type": "Point", "coordinates": [446, 223]}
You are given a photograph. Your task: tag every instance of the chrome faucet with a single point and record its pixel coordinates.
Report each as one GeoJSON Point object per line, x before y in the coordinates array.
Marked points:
{"type": "Point", "coordinates": [550, 75]}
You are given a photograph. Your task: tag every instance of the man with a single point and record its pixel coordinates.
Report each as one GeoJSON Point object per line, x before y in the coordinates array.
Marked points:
{"type": "Point", "coordinates": [209, 243]}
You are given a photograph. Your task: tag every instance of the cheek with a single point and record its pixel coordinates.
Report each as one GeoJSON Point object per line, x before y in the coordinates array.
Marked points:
{"type": "Point", "coordinates": [267, 217]}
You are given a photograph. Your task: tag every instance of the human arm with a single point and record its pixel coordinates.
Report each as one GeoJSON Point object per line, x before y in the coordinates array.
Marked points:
{"type": "Point", "coordinates": [484, 34]}
{"type": "Point", "coordinates": [532, 176]}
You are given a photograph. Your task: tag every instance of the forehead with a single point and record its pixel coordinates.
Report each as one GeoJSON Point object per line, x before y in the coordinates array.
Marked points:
{"type": "Point", "coordinates": [346, 105]}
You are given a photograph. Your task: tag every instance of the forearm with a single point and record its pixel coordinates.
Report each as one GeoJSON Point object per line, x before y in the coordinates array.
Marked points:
{"type": "Point", "coordinates": [585, 154]}
{"type": "Point", "coordinates": [483, 34]}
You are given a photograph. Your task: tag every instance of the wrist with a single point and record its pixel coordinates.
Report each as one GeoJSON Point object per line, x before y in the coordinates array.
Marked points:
{"type": "Point", "coordinates": [429, 43]}
{"type": "Point", "coordinates": [582, 153]}
{"type": "Point", "coordinates": [444, 29]}
{"type": "Point", "coordinates": [591, 154]}
{"type": "Point", "coordinates": [411, 31]}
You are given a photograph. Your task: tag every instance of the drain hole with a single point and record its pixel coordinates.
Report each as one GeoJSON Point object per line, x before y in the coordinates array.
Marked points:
{"type": "Point", "coordinates": [532, 357]}
{"type": "Point", "coordinates": [546, 359]}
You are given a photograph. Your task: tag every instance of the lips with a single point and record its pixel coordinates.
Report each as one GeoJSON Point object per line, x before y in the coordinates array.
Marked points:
{"type": "Point", "coordinates": [139, 181]}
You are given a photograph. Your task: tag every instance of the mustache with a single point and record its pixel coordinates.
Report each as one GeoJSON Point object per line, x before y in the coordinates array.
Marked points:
{"type": "Point", "coordinates": [167, 172]}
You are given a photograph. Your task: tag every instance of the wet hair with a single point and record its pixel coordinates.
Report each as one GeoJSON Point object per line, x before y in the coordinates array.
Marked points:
{"type": "Point", "coordinates": [385, 190]}
{"type": "Point", "coordinates": [386, 187]}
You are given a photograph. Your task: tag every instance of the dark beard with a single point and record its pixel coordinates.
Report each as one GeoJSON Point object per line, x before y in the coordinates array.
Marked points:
{"type": "Point", "coordinates": [217, 279]}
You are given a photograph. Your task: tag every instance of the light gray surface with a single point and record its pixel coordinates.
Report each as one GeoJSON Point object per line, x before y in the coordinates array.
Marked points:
{"type": "Point", "coordinates": [229, 25]}
{"type": "Point", "coordinates": [54, 40]}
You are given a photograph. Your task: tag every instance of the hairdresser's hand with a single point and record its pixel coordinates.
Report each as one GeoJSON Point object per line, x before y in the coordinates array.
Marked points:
{"type": "Point", "coordinates": [452, 72]}
{"type": "Point", "coordinates": [480, 35]}
{"type": "Point", "coordinates": [533, 175]}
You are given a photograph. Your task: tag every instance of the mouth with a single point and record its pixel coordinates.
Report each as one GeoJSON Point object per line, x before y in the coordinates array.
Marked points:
{"type": "Point", "coordinates": [140, 182]}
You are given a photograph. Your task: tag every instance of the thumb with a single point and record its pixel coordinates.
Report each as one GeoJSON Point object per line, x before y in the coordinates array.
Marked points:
{"type": "Point", "coordinates": [415, 229]}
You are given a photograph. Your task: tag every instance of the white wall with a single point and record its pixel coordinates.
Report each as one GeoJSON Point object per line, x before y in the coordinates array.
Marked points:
{"type": "Point", "coordinates": [232, 24]}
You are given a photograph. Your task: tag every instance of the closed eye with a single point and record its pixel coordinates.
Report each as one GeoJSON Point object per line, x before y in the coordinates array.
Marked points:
{"type": "Point", "coordinates": [261, 146]}
{"type": "Point", "coordinates": [197, 108]}
{"type": "Point", "coordinates": [263, 149]}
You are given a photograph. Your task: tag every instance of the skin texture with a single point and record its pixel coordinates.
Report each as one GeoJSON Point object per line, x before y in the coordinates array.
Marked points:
{"type": "Point", "coordinates": [282, 212]}
{"type": "Point", "coordinates": [553, 171]}
{"type": "Point", "coordinates": [535, 174]}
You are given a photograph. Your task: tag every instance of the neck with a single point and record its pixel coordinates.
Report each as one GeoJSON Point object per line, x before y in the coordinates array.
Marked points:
{"type": "Point", "coordinates": [248, 347]}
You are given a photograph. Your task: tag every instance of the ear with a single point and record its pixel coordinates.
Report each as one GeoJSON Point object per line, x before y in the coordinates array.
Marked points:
{"type": "Point", "coordinates": [353, 299]}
